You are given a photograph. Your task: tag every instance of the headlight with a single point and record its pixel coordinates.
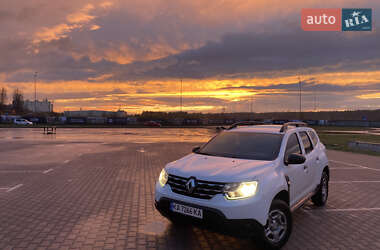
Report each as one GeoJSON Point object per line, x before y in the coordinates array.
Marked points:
{"type": "Point", "coordinates": [241, 190]}
{"type": "Point", "coordinates": [163, 178]}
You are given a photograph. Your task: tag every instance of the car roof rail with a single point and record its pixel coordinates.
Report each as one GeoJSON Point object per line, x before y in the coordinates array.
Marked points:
{"type": "Point", "coordinates": [296, 124]}
{"type": "Point", "coordinates": [245, 123]}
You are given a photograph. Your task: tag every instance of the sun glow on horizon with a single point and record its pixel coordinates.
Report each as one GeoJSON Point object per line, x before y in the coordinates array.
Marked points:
{"type": "Point", "coordinates": [207, 95]}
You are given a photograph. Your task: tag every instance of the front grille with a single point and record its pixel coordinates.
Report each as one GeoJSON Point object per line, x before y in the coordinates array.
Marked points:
{"type": "Point", "coordinates": [202, 190]}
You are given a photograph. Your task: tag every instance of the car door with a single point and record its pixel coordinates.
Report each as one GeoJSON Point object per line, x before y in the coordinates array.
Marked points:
{"type": "Point", "coordinates": [318, 155]}
{"type": "Point", "coordinates": [295, 172]}
{"type": "Point", "coordinates": [310, 163]}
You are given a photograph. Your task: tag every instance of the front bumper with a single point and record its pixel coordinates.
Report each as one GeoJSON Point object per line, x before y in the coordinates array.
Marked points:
{"type": "Point", "coordinates": [254, 208]}
{"type": "Point", "coordinates": [212, 218]}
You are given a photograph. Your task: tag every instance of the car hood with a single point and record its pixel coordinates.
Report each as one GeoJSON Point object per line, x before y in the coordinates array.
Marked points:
{"type": "Point", "coordinates": [218, 169]}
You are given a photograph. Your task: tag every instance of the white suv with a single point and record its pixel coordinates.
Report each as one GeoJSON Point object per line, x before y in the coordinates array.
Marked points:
{"type": "Point", "coordinates": [249, 178]}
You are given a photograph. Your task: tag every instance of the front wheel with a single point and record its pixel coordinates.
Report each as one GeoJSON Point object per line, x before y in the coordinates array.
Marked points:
{"type": "Point", "coordinates": [320, 198]}
{"type": "Point", "coordinates": [277, 230]}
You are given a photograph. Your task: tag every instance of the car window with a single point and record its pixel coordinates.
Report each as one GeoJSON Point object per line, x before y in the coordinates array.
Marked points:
{"type": "Point", "coordinates": [313, 137]}
{"type": "Point", "coordinates": [292, 146]}
{"type": "Point", "coordinates": [306, 142]}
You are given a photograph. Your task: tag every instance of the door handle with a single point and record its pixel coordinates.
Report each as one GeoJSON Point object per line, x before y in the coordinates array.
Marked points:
{"type": "Point", "coordinates": [305, 167]}
{"type": "Point", "coordinates": [317, 158]}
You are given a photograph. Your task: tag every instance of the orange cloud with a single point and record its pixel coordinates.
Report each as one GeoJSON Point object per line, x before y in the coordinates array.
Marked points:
{"type": "Point", "coordinates": [73, 21]}
{"type": "Point", "coordinates": [135, 97]}
{"type": "Point", "coordinates": [370, 96]}
{"type": "Point", "coordinates": [81, 16]}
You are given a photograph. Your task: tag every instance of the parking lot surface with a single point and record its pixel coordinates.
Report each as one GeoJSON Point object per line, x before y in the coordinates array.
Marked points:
{"type": "Point", "coordinates": [94, 189]}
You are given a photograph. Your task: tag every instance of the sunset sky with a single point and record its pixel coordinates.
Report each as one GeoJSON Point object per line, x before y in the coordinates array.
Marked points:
{"type": "Point", "coordinates": [131, 54]}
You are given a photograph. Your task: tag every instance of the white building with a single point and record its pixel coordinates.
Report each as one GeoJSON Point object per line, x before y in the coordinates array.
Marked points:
{"type": "Point", "coordinates": [38, 106]}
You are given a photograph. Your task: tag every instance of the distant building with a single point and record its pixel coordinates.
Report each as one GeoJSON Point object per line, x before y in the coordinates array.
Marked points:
{"type": "Point", "coordinates": [8, 118]}
{"type": "Point", "coordinates": [96, 120]}
{"type": "Point", "coordinates": [38, 106]}
{"type": "Point", "coordinates": [95, 113]}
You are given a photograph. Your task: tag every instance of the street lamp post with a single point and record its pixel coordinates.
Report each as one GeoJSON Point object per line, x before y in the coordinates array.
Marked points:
{"type": "Point", "coordinates": [300, 90]}
{"type": "Point", "coordinates": [35, 91]}
{"type": "Point", "coordinates": [251, 104]}
{"type": "Point", "coordinates": [181, 96]}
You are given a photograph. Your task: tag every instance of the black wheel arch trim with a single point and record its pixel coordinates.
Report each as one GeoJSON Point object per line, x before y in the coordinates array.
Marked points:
{"type": "Point", "coordinates": [282, 195]}
{"type": "Point", "coordinates": [327, 169]}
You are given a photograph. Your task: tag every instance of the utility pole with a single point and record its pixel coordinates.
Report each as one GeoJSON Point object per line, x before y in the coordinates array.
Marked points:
{"type": "Point", "coordinates": [299, 83]}
{"type": "Point", "coordinates": [181, 96]}
{"type": "Point", "coordinates": [251, 109]}
{"type": "Point", "coordinates": [35, 91]}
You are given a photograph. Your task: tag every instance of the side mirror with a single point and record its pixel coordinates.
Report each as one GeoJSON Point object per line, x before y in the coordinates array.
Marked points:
{"type": "Point", "coordinates": [295, 159]}
{"type": "Point", "coordinates": [196, 149]}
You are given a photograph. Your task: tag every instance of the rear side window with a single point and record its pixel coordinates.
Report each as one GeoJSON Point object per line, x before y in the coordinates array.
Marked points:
{"type": "Point", "coordinates": [292, 146]}
{"type": "Point", "coordinates": [313, 137]}
{"type": "Point", "coordinates": [306, 142]}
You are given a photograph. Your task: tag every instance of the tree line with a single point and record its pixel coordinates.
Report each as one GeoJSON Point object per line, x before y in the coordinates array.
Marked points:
{"type": "Point", "coordinates": [17, 101]}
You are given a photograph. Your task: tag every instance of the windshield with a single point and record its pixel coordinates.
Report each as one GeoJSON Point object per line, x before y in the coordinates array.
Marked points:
{"type": "Point", "coordinates": [244, 145]}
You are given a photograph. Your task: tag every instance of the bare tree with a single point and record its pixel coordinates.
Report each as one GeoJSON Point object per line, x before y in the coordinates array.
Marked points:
{"type": "Point", "coordinates": [18, 101]}
{"type": "Point", "coordinates": [3, 98]}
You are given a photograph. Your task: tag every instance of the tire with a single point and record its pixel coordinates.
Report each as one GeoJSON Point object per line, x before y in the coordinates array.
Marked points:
{"type": "Point", "coordinates": [276, 232]}
{"type": "Point", "coordinates": [320, 198]}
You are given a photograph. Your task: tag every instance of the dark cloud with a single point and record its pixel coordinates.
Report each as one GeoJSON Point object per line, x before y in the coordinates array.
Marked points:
{"type": "Point", "coordinates": [13, 55]}
{"type": "Point", "coordinates": [238, 54]}
{"type": "Point", "coordinates": [310, 86]}
{"type": "Point", "coordinates": [53, 62]}
{"type": "Point", "coordinates": [190, 101]}
{"type": "Point", "coordinates": [228, 56]}
{"type": "Point", "coordinates": [30, 12]}
{"type": "Point", "coordinates": [5, 15]}
{"type": "Point", "coordinates": [80, 95]}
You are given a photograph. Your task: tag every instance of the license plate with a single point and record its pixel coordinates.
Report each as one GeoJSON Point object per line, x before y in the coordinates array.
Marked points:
{"type": "Point", "coordinates": [186, 210]}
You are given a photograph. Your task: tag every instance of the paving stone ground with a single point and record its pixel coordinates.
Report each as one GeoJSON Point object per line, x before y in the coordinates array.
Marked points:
{"type": "Point", "coordinates": [101, 196]}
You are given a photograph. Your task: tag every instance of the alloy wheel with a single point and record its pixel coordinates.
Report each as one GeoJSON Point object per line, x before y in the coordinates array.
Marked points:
{"type": "Point", "coordinates": [276, 227]}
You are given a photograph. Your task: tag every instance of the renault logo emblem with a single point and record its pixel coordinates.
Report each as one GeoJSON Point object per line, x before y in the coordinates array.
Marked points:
{"type": "Point", "coordinates": [190, 185]}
